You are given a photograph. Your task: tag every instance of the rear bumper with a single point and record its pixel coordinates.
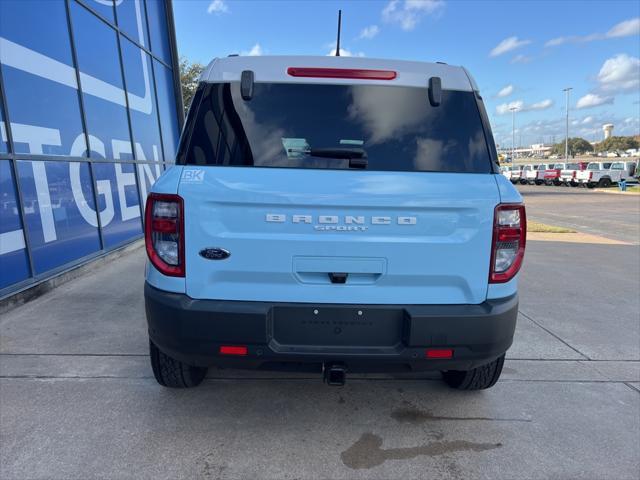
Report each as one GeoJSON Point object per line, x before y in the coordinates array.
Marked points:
{"type": "Point", "coordinates": [303, 335]}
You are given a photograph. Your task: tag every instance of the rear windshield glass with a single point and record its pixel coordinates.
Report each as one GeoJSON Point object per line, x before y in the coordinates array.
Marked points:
{"type": "Point", "coordinates": [337, 127]}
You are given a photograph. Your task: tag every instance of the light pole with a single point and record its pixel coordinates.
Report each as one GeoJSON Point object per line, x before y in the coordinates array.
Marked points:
{"type": "Point", "coordinates": [513, 133]}
{"type": "Point", "coordinates": [566, 138]}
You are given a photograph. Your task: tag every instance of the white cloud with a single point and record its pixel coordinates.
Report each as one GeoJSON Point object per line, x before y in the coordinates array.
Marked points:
{"type": "Point", "coordinates": [407, 14]}
{"type": "Point", "coordinates": [505, 108]}
{"type": "Point", "coordinates": [218, 7]}
{"type": "Point", "coordinates": [505, 91]}
{"type": "Point", "coordinates": [626, 28]}
{"type": "Point", "coordinates": [255, 51]}
{"type": "Point", "coordinates": [587, 120]}
{"type": "Point", "coordinates": [507, 45]}
{"type": "Point", "coordinates": [369, 32]}
{"type": "Point", "coordinates": [521, 59]}
{"type": "Point", "coordinates": [620, 73]}
{"type": "Point", "coordinates": [543, 105]}
{"type": "Point", "coordinates": [591, 100]}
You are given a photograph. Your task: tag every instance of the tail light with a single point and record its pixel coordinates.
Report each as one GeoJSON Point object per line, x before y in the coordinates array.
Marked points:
{"type": "Point", "coordinates": [509, 240]}
{"type": "Point", "coordinates": [590, 175]}
{"type": "Point", "coordinates": [164, 233]}
{"type": "Point", "coordinates": [573, 175]}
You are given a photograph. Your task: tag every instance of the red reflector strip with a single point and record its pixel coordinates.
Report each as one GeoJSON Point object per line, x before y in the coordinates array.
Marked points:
{"type": "Point", "coordinates": [233, 350]}
{"type": "Point", "coordinates": [164, 225]}
{"type": "Point", "coordinates": [439, 353]}
{"type": "Point", "coordinates": [506, 234]}
{"type": "Point", "coordinates": [342, 73]}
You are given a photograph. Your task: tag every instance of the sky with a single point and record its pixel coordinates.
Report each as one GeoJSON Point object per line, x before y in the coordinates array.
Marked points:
{"type": "Point", "coordinates": [521, 53]}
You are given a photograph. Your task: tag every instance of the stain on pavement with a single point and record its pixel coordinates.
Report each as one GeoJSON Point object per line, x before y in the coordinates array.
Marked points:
{"type": "Point", "coordinates": [367, 452]}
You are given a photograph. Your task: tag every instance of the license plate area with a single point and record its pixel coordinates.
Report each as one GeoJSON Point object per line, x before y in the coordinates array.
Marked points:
{"type": "Point", "coordinates": [336, 326]}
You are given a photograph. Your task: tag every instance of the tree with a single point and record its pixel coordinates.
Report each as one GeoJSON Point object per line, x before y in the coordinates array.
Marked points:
{"type": "Point", "coordinates": [577, 146]}
{"type": "Point", "coordinates": [613, 144]}
{"type": "Point", "coordinates": [189, 73]}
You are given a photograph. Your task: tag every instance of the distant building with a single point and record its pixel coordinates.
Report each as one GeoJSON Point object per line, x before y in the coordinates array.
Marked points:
{"type": "Point", "coordinates": [607, 129]}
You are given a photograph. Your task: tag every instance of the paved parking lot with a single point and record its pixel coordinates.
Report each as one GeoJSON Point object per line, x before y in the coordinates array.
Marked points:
{"type": "Point", "coordinates": [77, 399]}
{"type": "Point", "coordinates": [612, 215]}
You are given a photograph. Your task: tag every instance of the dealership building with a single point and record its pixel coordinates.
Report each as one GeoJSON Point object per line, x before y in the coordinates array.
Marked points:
{"type": "Point", "coordinates": [90, 114]}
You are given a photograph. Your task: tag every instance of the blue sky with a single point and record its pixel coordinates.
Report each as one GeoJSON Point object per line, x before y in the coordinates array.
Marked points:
{"type": "Point", "coordinates": [522, 53]}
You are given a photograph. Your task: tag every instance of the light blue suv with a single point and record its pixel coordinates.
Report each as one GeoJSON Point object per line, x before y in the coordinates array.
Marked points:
{"type": "Point", "coordinates": [335, 215]}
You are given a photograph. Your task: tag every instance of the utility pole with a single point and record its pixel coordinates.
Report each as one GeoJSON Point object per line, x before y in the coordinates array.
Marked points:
{"type": "Point", "coordinates": [566, 138]}
{"type": "Point", "coordinates": [513, 133]}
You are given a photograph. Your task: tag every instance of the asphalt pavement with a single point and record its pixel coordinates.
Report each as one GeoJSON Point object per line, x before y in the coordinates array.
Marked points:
{"type": "Point", "coordinates": [77, 397]}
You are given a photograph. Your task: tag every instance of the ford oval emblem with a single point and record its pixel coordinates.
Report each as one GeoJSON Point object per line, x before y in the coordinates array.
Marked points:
{"type": "Point", "coordinates": [214, 253]}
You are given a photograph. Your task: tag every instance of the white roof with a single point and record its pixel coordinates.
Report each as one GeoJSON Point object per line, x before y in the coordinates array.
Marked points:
{"type": "Point", "coordinates": [273, 69]}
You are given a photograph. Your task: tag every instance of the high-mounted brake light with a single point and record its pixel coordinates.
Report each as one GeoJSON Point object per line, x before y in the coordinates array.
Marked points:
{"type": "Point", "coordinates": [342, 73]}
{"type": "Point", "coordinates": [164, 233]}
{"type": "Point", "coordinates": [509, 241]}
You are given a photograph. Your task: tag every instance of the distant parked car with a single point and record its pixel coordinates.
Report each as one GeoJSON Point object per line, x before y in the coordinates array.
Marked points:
{"type": "Point", "coordinates": [568, 174]}
{"type": "Point", "coordinates": [529, 173]}
{"type": "Point", "coordinates": [539, 177]}
{"type": "Point", "coordinates": [506, 171]}
{"type": "Point", "coordinates": [605, 174]}
{"type": "Point", "coordinates": [552, 174]}
{"type": "Point", "coordinates": [516, 173]}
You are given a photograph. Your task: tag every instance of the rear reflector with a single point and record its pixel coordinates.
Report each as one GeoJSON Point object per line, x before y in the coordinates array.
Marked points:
{"type": "Point", "coordinates": [342, 73]}
{"type": "Point", "coordinates": [439, 353]}
{"type": "Point", "coordinates": [233, 350]}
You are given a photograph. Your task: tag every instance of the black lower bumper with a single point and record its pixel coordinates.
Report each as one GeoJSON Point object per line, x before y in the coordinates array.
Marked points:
{"type": "Point", "coordinates": [303, 335]}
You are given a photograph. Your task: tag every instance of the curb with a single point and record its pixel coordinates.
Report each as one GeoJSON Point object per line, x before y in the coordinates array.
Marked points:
{"type": "Point", "coordinates": [615, 192]}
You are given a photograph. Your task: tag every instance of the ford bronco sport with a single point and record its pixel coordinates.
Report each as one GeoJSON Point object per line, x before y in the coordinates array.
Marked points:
{"type": "Point", "coordinates": [337, 215]}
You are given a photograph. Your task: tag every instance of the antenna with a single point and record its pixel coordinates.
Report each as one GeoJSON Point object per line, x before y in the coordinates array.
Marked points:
{"type": "Point", "coordinates": [339, 26]}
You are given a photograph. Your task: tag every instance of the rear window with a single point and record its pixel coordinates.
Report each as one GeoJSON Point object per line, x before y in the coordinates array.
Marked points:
{"type": "Point", "coordinates": [308, 125]}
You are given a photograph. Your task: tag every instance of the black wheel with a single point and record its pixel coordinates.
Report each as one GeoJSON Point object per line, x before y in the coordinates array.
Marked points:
{"type": "Point", "coordinates": [557, 183]}
{"type": "Point", "coordinates": [523, 182]}
{"type": "Point", "coordinates": [479, 378]}
{"type": "Point", "coordinates": [539, 182]}
{"type": "Point", "coordinates": [604, 183]}
{"type": "Point", "coordinates": [591, 185]}
{"type": "Point", "coordinates": [172, 373]}
{"type": "Point", "coordinates": [573, 184]}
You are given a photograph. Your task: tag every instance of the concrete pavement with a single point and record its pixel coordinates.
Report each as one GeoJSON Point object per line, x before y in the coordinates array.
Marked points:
{"type": "Point", "coordinates": [77, 397]}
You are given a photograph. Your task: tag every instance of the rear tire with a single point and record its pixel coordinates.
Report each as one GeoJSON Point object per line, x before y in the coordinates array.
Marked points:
{"type": "Point", "coordinates": [604, 183]}
{"type": "Point", "coordinates": [539, 182]}
{"type": "Point", "coordinates": [479, 378]}
{"type": "Point", "coordinates": [173, 373]}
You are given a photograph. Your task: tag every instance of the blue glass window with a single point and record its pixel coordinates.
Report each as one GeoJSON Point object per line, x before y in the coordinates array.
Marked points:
{"type": "Point", "coordinates": [168, 111]}
{"type": "Point", "coordinates": [118, 202]}
{"type": "Point", "coordinates": [102, 87]}
{"type": "Point", "coordinates": [59, 211]}
{"type": "Point", "coordinates": [14, 264]}
{"type": "Point", "coordinates": [133, 21]}
{"type": "Point", "coordinates": [142, 104]}
{"type": "Point", "coordinates": [39, 79]}
{"type": "Point", "coordinates": [103, 7]}
{"type": "Point", "coordinates": [147, 176]}
{"type": "Point", "coordinates": [158, 30]}
{"type": "Point", "coordinates": [3, 131]}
